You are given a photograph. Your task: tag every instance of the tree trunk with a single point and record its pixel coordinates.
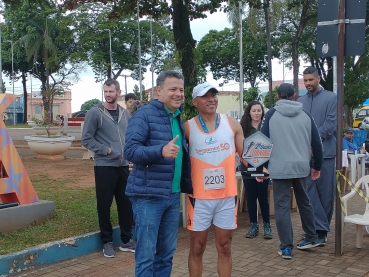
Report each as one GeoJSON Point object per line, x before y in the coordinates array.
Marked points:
{"type": "Point", "coordinates": [185, 45]}
{"type": "Point", "coordinates": [295, 64]}
{"type": "Point", "coordinates": [25, 111]}
{"type": "Point", "coordinates": [295, 45]}
{"type": "Point", "coordinates": [48, 104]}
{"type": "Point", "coordinates": [269, 50]}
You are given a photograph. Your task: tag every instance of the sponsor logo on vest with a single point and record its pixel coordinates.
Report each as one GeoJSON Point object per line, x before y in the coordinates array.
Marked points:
{"type": "Point", "coordinates": [210, 140]}
{"type": "Point", "coordinates": [220, 147]}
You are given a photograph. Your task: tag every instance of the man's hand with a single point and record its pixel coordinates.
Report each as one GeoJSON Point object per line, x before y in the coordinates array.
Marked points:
{"type": "Point", "coordinates": [261, 179]}
{"type": "Point", "coordinates": [315, 174]}
{"type": "Point", "coordinates": [109, 150]}
{"type": "Point", "coordinates": [130, 166]}
{"type": "Point", "coordinates": [171, 149]}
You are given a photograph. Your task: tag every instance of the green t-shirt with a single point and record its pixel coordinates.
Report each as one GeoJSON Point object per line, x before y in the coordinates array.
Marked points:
{"type": "Point", "coordinates": [176, 130]}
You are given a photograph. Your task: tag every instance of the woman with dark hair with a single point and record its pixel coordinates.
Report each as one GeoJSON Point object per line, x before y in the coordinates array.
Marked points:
{"type": "Point", "coordinates": [136, 105]}
{"type": "Point", "coordinates": [251, 123]}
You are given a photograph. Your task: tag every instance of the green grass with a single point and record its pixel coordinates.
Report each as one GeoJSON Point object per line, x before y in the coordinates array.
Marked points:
{"type": "Point", "coordinates": [75, 214]}
{"type": "Point", "coordinates": [19, 125]}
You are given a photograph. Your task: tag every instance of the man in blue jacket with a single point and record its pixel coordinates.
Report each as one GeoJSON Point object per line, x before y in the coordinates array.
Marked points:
{"type": "Point", "coordinates": [294, 136]}
{"type": "Point", "coordinates": [156, 145]}
{"type": "Point", "coordinates": [349, 144]}
{"type": "Point", "coordinates": [322, 105]}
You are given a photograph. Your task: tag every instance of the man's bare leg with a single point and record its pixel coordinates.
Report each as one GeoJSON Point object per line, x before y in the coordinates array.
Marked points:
{"type": "Point", "coordinates": [223, 242]}
{"type": "Point", "coordinates": [197, 248]}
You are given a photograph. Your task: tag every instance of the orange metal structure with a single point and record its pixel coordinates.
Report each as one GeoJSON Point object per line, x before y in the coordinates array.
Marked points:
{"type": "Point", "coordinates": [15, 184]}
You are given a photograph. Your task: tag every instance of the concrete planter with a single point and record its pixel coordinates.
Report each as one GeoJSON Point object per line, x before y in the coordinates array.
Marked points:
{"type": "Point", "coordinates": [49, 147]}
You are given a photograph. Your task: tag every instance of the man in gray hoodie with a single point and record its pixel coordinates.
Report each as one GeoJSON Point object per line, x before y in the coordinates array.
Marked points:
{"type": "Point", "coordinates": [294, 136]}
{"type": "Point", "coordinates": [104, 133]}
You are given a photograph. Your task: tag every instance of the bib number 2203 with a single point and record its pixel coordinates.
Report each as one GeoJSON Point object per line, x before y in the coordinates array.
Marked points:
{"type": "Point", "coordinates": [214, 178]}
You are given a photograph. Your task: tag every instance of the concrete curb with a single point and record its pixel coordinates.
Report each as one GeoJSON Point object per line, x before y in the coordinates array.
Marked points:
{"type": "Point", "coordinates": [57, 251]}
{"type": "Point", "coordinates": [53, 252]}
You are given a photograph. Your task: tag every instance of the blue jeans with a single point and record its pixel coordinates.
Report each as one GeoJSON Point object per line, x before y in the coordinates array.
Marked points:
{"type": "Point", "coordinates": [157, 221]}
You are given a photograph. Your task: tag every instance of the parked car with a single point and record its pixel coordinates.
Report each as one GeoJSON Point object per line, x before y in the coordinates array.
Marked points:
{"type": "Point", "coordinates": [365, 123]}
{"type": "Point", "coordinates": [361, 114]}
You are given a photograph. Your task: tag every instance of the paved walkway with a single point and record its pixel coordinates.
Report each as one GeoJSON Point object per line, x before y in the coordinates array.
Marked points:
{"type": "Point", "coordinates": [251, 257]}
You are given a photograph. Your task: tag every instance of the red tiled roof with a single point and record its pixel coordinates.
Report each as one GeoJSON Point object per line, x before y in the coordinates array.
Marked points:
{"type": "Point", "coordinates": [226, 93]}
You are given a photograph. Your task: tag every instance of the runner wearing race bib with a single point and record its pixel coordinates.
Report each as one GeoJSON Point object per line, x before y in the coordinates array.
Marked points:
{"type": "Point", "coordinates": [213, 160]}
{"type": "Point", "coordinates": [213, 140]}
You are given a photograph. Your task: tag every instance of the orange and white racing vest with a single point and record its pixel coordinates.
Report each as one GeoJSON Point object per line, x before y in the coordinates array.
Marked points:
{"type": "Point", "coordinates": [213, 161]}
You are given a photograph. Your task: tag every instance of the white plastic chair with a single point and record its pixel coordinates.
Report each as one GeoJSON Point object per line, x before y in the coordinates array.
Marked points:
{"type": "Point", "coordinates": [357, 168]}
{"type": "Point", "coordinates": [360, 220]}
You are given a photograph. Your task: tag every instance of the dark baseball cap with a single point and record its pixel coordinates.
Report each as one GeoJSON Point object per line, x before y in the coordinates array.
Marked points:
{"type": "Point", "coordinates": [349, 130]}
{"type": "Point", "coordinates": [286, 90]}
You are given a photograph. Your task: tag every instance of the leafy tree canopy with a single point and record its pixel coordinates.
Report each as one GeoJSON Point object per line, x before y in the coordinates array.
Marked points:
{"type": "Point", "coordinates": [89, 104]}
{"type": "Point", "coordinates": [42, 40]}
{"type": "Point", "coordinates": [196, 9]}
{"type": "Point", "coordinates": [92, 25]}
{"type": "Point", "coordinates": [275, 99]}
{"type": "Point", "coordinates": [136, 91]}
{"type": "Point", "coordinates": [251, 94]}
{"type": "Point", "coordinates": [220, 51]}
{"type": "Point", "coordinates": [181, 13]}
{"type": "Point", "coordinates": [44, 46]}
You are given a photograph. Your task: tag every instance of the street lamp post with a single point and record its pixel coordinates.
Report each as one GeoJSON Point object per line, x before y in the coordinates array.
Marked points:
{"type": "Point", "coordinates": [11, 45]}
{"type": "Point", "coordinates": [152, 61]}
{"type": "Point", "coordinates": [241, 62]}
{"type": "Point", "coordinates": [126, 73]}
{"type": "Point", "coordinates": [125, 82]}
{"type": "Point", "coordinates": [139, 47]}
{"type": "Point", "coordinates": [111, 59]}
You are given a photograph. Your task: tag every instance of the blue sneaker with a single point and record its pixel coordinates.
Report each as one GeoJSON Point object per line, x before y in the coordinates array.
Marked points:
{"type": "Point", "coordinates": [286, 253]}
{"type": "Point", "coordinates": [254, 230]}
{"type": "Point", "coordinates": [308, 244]}
{"type": "Point", "coordinates": [108, 250]}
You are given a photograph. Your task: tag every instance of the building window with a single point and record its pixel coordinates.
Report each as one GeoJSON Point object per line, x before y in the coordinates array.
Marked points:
{"type": "Point", "coordinates": [38, 110]}
{"type": "Point", "coordinates": [234, 113]}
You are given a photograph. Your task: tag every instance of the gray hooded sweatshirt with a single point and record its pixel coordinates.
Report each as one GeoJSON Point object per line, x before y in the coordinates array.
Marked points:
{"type": "Point", "coordinates": [100, 132]}
{"type": "Point", "coordinates": [322, 105]}
{"type": "Point", "coordinates": [294, 136]}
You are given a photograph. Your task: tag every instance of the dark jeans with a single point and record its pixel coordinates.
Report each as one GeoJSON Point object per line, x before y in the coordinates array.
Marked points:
{"type": "Point", "coordinates": [111, 182]}
{"type": "Point", "coordinates": [256, 191]}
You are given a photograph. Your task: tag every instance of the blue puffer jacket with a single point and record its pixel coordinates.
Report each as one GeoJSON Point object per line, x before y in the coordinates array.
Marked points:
{"type": "Point", "coordinates": [149, 130]}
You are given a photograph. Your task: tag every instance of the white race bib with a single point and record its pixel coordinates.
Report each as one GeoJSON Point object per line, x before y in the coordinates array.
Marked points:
{"type": "Point", "coordinates": [214, 178]}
